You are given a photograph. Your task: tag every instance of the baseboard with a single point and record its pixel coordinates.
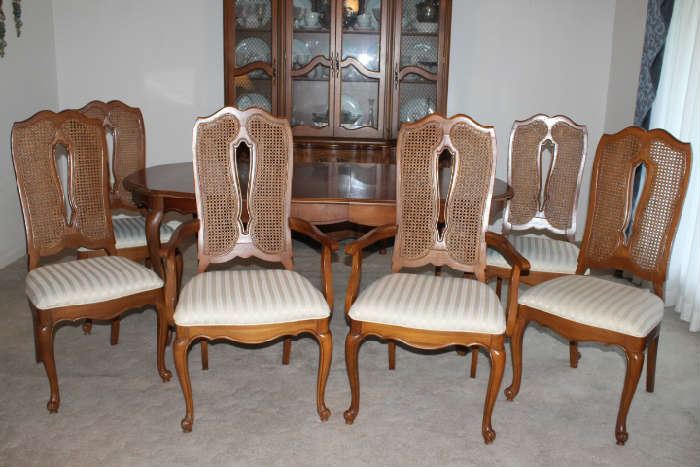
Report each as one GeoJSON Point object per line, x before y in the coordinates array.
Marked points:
{"type": "Point", "coordinates": [11, 255]}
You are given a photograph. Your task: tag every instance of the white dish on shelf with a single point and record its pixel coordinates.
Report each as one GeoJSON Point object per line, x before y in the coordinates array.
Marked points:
{"type": "Point", "coordinates": [252, 49]}
{"type": "Point", "coordinates": [246, 101]}
{"type": "Point", "coordinates": [416, 108]}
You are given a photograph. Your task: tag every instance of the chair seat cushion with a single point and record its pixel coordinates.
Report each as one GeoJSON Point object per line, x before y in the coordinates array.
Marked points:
{"type": "Point", "coordinates": [597, 302]}
{"type": "Point", "coordinates": [130, 232]}
{"type": "Point", "coordinates": [252, 297]}
{"type": "Point", "coordinates": [431, 303]}
{"type": "Point", "coordinates": [544, 254]}
{"type": "Point", "coordinates": [86, 281]}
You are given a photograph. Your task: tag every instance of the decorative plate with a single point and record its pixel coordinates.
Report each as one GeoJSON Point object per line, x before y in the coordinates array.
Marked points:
{"type": "Point", "coordinates": [246, 101]}
{"type": "Point", "coordinates": [252, 49]}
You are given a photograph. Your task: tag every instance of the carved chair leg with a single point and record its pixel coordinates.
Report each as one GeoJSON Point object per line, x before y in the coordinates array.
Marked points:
{"type": "Point", "coordinates": [498, 363]}
{"type": "Point", "coordinates": [35, 330]}
{"type": "Point", "coordinates": [392, 355]}
{"type": "Point", "coordinates": [499, 286]}
{"type": "Point", "coordinates": [475, 361]}
{"type": "Point", "coordinates": [635, 361]}
{"type": "Point", "coordinates": [325, 343]}
{"type": "Point", "coordinates": [352, 347]}
{"type": "Point", "coordinates": [286, 350]}
{"type": "Point", "coordinates": [204, 349]}
{"type": "Point", "coordinates": [114, 336]}
{"type": "Point", "coordinates": [651, 363]}
{"type": "Point", "coordinates": [162, 337]}
{"type": "Point", "coordinates": [516, 352]}
{"type": "Point", "coordinates": [574, 354]}
{"type": "Point", "coordinates": [180, 347]}
{"type": "Point", "coordinates": [87, 326]}
{"type": "Point", "coordinates": [47, 357]}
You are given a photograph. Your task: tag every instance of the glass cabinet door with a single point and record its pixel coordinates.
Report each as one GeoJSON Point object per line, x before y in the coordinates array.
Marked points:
{"type": "Point", "coordinates": [310, 61]}
{"type": "Point", "coordinates": [251, 34]}
{"type": "Point", "coordinates": [418, 61]}
{"type": "Point", "coordinates": [359, 106]}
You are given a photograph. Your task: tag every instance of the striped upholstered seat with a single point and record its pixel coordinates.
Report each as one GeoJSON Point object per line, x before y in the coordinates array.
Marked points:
{"type": "Point", "coordinates": [544, 254]}
{"type": "Point", "coordinates": [130, 232]}
{"type": "Point", "coordinates": [251, 297]}
{"type": "Point", "coordinates": [86, 281]}
{"type": "Point", "coordinates": [597, 302]}
{"type": "Point", "coordinates": [431, 303]}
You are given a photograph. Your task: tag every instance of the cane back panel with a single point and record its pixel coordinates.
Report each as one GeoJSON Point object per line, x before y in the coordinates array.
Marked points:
{"type": "Point", "coordinates": [47, 225]}
{"type": "Point", "coordinates": [461, 245]}
{"type": "Point", "coordinates": [223, 234]}
{"type": "Point", "coordinates": [646, 249]}
{"type": "Point", "coordinates": [127, 127]}
{"type": "Point", "coordinates": [545, 201]}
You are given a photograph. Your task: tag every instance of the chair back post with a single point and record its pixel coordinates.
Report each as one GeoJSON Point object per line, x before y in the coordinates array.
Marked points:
{"type": "Point", "coordinates": [461, 245]}
{"type": "Point", "coordinates": [49, 224]}
{"type": "Point", "coordinates": [221, 207]}
{"type": "Point", "coordinates": [129, 149]}
{"type": "Point", "coordinates": [645, 251]}
{"type": "Point", "coordinates": [541, 201]}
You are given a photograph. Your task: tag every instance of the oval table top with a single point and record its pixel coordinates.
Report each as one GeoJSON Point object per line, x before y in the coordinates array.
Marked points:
{"type": "Point", "coordinates": [329, 182]}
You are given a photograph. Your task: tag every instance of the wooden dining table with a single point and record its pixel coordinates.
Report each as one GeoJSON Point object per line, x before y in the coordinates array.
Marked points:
{"type": "Point", "coordinates": [323, 193]}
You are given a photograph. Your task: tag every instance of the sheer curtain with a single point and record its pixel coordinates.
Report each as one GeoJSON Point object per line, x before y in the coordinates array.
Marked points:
{"type": "Point", "coordinates": [677, 109]}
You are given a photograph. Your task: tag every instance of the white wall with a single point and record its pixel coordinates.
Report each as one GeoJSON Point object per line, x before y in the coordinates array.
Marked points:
{"type": "Point", "coordinates": [628, 43]}
{"type": "Point", "coordinates": [511, 59]}
{"type": "Point", "coordinates": [27, 85]}
{"type": "Point", "coordinates": [164, 56]}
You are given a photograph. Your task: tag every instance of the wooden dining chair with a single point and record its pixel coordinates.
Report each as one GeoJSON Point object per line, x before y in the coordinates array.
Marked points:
{"type": "Point", "coordinates": [95, 288]}
{"type": "Point", "coordinates": [427, 311]}
{"type": "Point", "coordinates": [544, 198]}
{"type": "Point", "coordinates": [124, 124]}
{"type": "Point", "coordinates": [248, 306]}
{"type": "Point", "coordinates": [588, 308]}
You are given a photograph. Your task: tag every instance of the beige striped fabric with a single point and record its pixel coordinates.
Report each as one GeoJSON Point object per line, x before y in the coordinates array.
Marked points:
{"type": "Point", "coordinates": [597, 302]}
{"type": "Point", "coordinates": [130, 232]}
{"type": "Point", "coordinates": [86, 281]}
{"type": "Point", "coordinates": [432, 303]}
{"type": "Point", "coordinates": [252, 297]}
{"type": "Point", "coordinates": [544, 254]}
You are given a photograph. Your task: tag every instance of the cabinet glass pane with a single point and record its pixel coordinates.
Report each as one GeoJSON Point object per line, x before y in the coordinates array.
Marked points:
{"type": "Point", "coordinates": [310, 97]}
{"type": "Point", "coordinates": [420, 34]}
{"type": "Point", "coordinates": [253, 32]}
{"type": "Point", "coordinates": [417, 98]}
{"type": "Point", "coordinates": [254, 90]}
{"type": "Point", "coordinates": [358, 100]}
{"type": "Point", "coordinates": [312, 21]}
{"type": "Point", "coordinates": [361, 31]}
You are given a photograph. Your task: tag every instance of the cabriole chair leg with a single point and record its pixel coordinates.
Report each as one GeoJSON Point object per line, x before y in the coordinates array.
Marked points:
{"type": "Point", "coordinates": [516, 346]}
{"type": "Point", "coordinates": [325, 343]}
{"type": "Point", "coordinates": [180, 347]}
{"type": "Point", "coordinates": [352, 347]}
{"type": "Point", "coordinates": [498, 363]}
{"type": "Point", "coordinates": [635, 361]}
{"type": "Point", "coordinates": [651, 363]}
{"type": "Point", "coordinates": [47, 357]}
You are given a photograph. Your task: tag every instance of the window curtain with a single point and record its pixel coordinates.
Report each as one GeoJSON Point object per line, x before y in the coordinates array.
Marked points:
{"type": "Point", "coordinates": [677, 109]}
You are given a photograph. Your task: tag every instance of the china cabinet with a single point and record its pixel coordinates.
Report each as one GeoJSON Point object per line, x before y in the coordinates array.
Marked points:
{"type": "Point", "coordinates": [346, 73]}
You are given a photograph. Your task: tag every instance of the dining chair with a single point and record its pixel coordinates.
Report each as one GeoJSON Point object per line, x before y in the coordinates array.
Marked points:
{"type": "Point", "coordinates": [124, 124]}
{"type": "Point", "coordinates": [588, 308]}
{"type": "Point", "coordinates": [95, 288]}
{"type": "Point", "coordinates": [427, 311]}
{"type": "Point", "coordinates": [255, 305]}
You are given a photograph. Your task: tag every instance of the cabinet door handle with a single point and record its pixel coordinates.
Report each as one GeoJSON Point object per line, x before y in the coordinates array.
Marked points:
{"type": "Point", "coordinates": [396, 76]}
{"type": "Point", "coordinates": [337, 65]}
{"type": "Point", "coordinates": [274, 69]}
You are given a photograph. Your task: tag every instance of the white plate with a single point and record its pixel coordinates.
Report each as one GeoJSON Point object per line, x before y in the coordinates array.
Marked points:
{"type": "Point", "coordinates": [246, 101]}
{"type": "Point", "coordinates": [416, 108]}
{"type": "Point", "coordinates": [252, 49]}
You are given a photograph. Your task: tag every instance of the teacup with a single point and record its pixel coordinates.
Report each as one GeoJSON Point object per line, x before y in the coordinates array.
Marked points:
{"type": "Point", "coordinates": [364, 20]}
{"type": "Point", "coordinates": [311, 19]}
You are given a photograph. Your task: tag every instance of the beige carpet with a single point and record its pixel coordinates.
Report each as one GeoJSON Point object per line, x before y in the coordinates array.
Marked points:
{"type": "Point", "coordinates": [251, 410]}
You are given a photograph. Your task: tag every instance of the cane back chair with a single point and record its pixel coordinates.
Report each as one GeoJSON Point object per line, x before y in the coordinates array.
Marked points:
{"type": "Point", "coordinates": [125, 125]}
{"type": "Point", "coordinates": [97, 288]}
{"type": "Point", "coordinates": [544, 202]}
{"type": "Point", "coordinates": [248, 306]}
{"type": "Point", "coordinates": [425, 311]}
{"type": "Point", "coordinates": [588, 308]}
